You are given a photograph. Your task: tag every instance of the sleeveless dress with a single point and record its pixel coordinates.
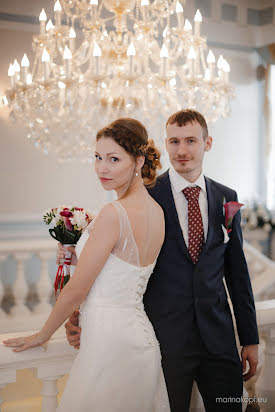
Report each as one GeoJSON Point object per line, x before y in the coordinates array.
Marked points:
{"type": "Point", "coordinates": [118, 366]}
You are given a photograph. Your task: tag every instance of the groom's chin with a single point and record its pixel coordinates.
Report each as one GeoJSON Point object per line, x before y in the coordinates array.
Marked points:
{"type": "Point", "coordinates": [182, 168]}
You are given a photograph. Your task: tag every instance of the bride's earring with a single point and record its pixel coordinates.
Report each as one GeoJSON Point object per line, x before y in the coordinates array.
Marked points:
{"type": "Point", "coordinates": [136, 173]}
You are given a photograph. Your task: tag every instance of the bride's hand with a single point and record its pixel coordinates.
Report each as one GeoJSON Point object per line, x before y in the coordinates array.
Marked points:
{"type": "Point", "coordinates": [25, 342]}
{"type": "Point", "coordinates": [60, 254]}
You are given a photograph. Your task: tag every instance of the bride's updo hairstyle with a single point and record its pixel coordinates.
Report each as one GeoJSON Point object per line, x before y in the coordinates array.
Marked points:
{"type": "Point", "coordinates": [133, 137]}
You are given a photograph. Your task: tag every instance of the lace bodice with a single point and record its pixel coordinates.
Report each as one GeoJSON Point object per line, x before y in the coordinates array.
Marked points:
{"type": "Point", "coordinates": [122, 281]}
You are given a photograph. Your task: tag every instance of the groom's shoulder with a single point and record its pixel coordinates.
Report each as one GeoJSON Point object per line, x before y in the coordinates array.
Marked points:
{"type": "Point", "coordinates": [227, 191]}
{"type": "Point", "coordinates": [162, 178]}
{"type": "Point", "coordinates": [161, 181]}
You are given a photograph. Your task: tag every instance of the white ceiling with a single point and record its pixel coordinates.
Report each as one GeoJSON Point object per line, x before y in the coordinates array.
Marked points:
{"type": "Point", "coordinates": [33, 7]}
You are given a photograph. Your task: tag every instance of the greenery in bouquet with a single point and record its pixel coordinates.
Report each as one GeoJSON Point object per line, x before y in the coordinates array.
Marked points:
{"type": "Point", "coordinates": [258, 216]}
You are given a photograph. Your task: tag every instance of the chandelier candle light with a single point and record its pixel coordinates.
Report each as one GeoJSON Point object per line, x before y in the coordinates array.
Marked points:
{"type": "Point", "coordinates": [104, 59]}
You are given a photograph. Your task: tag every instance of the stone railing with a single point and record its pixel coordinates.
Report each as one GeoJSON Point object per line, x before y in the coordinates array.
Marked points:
{"type": "Point", "coordinates": [48, 364]}
{"type": "Point", "coordinates": [56, 360]}
{"type": "Point", "coordinates": [262, 273]}
{"type": "Point", "coordinates": [265, 387]}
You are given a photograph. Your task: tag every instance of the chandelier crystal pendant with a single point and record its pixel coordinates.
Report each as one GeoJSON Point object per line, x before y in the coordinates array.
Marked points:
{"type": "Point", "coordinates": [101, 61]}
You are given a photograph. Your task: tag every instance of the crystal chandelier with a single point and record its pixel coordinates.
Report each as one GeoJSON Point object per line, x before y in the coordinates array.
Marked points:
{"type": "Point", "coordinates": [101, 61]}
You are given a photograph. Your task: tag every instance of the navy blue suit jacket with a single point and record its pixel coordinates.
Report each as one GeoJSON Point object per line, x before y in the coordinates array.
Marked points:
{"type": "Point", "coordinates": [179, 291]}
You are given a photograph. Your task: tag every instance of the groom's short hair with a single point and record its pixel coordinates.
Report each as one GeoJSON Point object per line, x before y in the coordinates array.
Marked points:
{"type": "Point", "coordinates": [185, 116]}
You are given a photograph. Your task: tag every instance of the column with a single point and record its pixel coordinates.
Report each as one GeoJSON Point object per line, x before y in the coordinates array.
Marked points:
{"type": "Point", "coordinates": [49, 393]}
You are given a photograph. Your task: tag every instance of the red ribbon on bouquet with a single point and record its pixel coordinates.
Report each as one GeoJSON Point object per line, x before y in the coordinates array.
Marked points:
{"type": "Point", "coordinates": [63, 270]}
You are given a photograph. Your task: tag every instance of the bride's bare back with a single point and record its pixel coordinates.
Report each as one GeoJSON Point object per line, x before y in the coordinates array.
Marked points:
{"type": "Point", "coordinates": [142, 229]}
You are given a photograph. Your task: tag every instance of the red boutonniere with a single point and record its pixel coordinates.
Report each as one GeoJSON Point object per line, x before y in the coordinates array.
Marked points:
{"type": "Point", "coordinates": [230, 209]}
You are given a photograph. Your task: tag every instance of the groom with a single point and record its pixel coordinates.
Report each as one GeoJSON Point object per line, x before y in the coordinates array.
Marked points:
{"type": "Point", "coordinates": [186, 299]}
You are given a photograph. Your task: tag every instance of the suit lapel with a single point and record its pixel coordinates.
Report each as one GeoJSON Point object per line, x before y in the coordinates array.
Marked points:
{"type": "Point", "coordinates": [213, 204]}
{"type": "Point", "coordinates": [170, 206]}
{"type": "Point", "coordinates": [214, 200]}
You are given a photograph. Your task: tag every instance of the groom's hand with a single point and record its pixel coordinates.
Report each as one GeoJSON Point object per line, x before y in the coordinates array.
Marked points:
{"type": "Point", "coordinates": [73, 331]}
{"type": "Point", "coordinates": [249, 354]}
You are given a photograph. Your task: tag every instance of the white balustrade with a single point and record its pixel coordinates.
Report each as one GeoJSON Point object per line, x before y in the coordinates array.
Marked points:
{"type": "Point", "coordinates": [21, 318]}
{"type": "Point", "coordinates": [262, 273]}
{"type": "Point", "coordinates": [57, 359]}
{"type": "Point", "coordinates": [265, 389]}
{"type": "Point", "coordinates": [49, 365]}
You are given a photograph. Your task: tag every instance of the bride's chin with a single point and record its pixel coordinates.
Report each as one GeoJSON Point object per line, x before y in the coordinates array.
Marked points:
{"type": "Point", "coordinates": [107, 187]}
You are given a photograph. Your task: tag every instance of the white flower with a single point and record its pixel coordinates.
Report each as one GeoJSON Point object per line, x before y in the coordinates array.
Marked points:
{"type": "Point", "coordinates": [55, 221]}
{"type": "Point", "coordinates": [79, 219]}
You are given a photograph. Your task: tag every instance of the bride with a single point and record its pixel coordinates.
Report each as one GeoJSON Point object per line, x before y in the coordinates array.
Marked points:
{"type": "Point", "coordinates": [118, 367]}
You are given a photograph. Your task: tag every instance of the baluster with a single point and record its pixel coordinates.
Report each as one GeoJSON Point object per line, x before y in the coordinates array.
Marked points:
{"type": "Point", "coordinates": [49, 393]}
{"type": "Point", "coordinates": [265, 382]}
{"type": "Point", "coordinates": [2, 291]}
{"type": "Point", "coordinates": [1, 401]}
{"type": "Point", "coordinates": [20, 287]}
{"type": "Point", "coordinates": [44, 285]}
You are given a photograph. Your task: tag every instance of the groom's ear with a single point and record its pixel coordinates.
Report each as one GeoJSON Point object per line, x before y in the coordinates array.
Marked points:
{"type": "Point", "coordinates": [208, 143]}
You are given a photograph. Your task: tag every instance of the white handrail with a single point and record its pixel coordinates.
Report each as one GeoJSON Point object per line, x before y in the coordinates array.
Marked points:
{"type": "Point", "coordinates": [50, 364]}
{"type": "Point", "coordinates": [262, 273]}
{"type": "Point", "coordinates": [265, 383]}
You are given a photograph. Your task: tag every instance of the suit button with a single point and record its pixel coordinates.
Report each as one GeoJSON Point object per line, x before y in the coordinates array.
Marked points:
{"type": "Point", "coordinates": [196, 300]}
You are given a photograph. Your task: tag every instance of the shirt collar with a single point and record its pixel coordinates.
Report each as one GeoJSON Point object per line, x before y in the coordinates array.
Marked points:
{"type": "Point", "coordinates": [179, 183]}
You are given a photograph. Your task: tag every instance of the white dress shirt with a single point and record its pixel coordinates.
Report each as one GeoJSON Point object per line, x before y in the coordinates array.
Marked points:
{"type": "Point", "coordinates": [178, 183]}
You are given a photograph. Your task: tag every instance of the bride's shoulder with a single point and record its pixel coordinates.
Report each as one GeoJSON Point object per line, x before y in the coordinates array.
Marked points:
{"type": "Point", "coordinates": [107, 215]}
{"type": "Point", "coordinates": [106, 222]}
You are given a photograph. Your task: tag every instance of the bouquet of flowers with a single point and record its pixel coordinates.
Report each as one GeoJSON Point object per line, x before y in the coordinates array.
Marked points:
{"type": "Point", "coordinates": [69, 223]}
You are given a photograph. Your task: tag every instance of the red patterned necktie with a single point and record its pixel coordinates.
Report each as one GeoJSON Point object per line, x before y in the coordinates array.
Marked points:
{"type": "Point", "coordinates": [195, 225]}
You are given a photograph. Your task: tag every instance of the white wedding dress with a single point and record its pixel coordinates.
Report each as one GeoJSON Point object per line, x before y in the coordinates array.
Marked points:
{"type": "Point", "coordinates": [118, 366]}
